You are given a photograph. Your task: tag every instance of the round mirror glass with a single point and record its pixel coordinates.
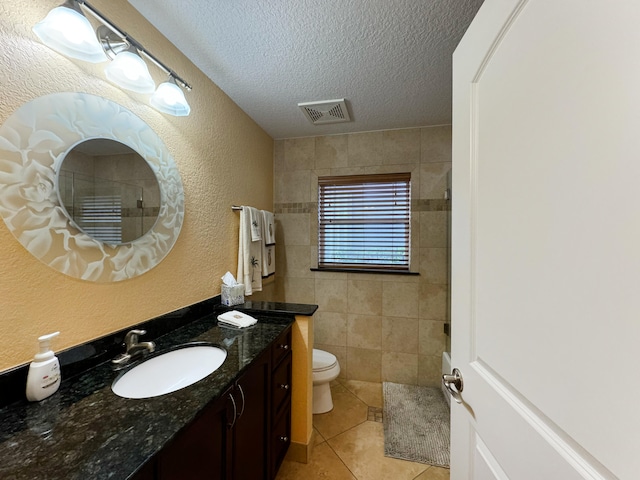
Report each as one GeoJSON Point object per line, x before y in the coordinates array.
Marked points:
{"type": "Point", "coordinates": [108, 191]}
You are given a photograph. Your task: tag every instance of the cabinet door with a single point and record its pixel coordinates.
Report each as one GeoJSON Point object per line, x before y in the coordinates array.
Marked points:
{"type": "Point", "coordinates": [201, 450]}
{"type": "Point", "coordinates": [281, 348]}
{"type": "Point", "coordinates": [281, 386]}
{"type": "Point", "coordinates": [280, 439]}
{"type": "Point", "coordinates": [250, 434]}
{"type": "Point", "coordinates": [147, 472]}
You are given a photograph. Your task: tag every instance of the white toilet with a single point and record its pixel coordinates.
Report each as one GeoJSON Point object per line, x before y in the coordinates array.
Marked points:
{"type": "Point", "coordinates": [325, 369]}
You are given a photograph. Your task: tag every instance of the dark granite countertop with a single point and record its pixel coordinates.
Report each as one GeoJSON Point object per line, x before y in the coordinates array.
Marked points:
{"type": "Point", "coordinates": [278, 307]}
{"type": "Point", "coordinates": [85, 431]}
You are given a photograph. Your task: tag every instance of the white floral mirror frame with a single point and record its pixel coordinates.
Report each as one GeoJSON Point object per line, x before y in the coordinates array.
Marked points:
{"type": "Point", "coordinates": [33, 142]}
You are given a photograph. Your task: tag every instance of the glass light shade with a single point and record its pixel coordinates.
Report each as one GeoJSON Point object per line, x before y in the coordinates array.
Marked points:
{"type": "Point", "coordinates": [169, 98]}
{"type": "Point", "coordinates": [67, 31]}
{"type": "Point", "coordinates": [129, 71]}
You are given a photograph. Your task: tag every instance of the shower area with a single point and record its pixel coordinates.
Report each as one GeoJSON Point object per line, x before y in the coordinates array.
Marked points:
{"type": "Point", "coordinates": [107, 210]}
{"type": "Point", "coordinates": [109, 191]}
{"type": "Point", "coordinates": [380, 327]}
{"type": "Point", "coordinates": [446, 355]}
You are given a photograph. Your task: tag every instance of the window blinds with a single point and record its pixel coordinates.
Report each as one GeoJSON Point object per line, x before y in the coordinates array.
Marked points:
{"type": "Point", "coordinates": [101, 217]}
{"type": "Point", "coordinates": [364, 221]}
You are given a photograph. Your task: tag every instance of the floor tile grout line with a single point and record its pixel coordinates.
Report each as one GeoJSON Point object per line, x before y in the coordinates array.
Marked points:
{"type": "Point", "coordinates": [327, 440]}
{"type": "Point", "coordinates": [347, 466]}
{"type": "Point", "coordinates": [358, 397]}
{"type": "Point", "coordinates": [342, 462]}
{"type": "Point", "coordinates": [338, 434]}
{"type": "Point", "coordinates": [428, 468]}
{"type": "Point", "coordinates": [366, 419]}
{"type": "Point", "coordinates": [340, 458]}
{"type": "Point", "coordinates": [372, 395]}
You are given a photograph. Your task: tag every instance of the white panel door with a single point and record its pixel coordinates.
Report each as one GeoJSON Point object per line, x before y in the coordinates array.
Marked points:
{"type": "Point", "coordinates": [546, 241]}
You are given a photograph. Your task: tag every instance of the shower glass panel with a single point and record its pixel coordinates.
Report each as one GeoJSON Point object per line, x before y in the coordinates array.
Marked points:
{"type": "Point", "coordinates": [106, 210]}
{"type": "Point", "coordinates": [448, 316]}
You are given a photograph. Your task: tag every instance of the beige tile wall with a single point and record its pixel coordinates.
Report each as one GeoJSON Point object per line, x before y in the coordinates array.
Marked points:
{"type": "Point", "coordinates": [380, 327]}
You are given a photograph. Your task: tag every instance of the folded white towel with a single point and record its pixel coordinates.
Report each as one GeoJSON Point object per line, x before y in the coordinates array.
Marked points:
{"type": "Point", "coordinates": [268, 261]}
{"type": "Point", "coordinates": [269, 244]}
{"type": "Point", "coordinates": [268, 223]}
{"type": "Point", "coordinates": [249, 256]}
{"type": "Point", "coordinates": [255, 216]}
{"type": "Point", "coordinates": [237, 319]}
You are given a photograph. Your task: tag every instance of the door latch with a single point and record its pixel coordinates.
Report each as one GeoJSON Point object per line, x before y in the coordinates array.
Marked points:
{"type": "Point", "coordinates": [454, 384]}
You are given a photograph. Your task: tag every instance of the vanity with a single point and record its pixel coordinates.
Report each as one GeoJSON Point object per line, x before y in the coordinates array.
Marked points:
{"type": "Point", "coordinates": [233, 424]}
{"type": "Point", "coordinates": [243, 434]}
{"type": "Point", "coordinates": [66, 154]}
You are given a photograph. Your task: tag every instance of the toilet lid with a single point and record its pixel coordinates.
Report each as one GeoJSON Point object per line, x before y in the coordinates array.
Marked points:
{"type": "Point", "coordinates": [323, 360]}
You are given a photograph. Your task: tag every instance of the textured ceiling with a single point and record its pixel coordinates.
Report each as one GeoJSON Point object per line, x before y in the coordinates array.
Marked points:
{"type": "Point", "coordinates": [390, 59]}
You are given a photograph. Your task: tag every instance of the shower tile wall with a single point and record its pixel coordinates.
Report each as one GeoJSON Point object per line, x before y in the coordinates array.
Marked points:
{"type": "Point", "coordinates": [381, 327]}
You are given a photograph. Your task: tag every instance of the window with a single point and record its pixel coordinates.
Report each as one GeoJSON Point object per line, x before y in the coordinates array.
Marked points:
{"type": "Point", "coordinates": [364, 222]}
{"type": "Point", "coordinates": [101, 217]}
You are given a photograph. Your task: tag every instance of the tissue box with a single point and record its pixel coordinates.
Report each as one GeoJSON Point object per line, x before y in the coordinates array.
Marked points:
{"type": "Point", "coordinates": [233, 295]}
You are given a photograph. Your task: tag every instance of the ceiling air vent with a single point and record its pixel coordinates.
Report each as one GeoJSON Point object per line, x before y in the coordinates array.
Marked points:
{"type": "Point", "coordinates": [328, 111]}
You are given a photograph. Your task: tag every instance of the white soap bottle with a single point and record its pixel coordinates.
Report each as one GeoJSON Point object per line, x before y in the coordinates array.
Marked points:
{"type": "Point", "coordinates": [43, 378]}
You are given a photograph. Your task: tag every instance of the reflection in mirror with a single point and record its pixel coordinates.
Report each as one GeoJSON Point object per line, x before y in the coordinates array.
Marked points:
{"type": "Point", "coordinates": [108, 190]}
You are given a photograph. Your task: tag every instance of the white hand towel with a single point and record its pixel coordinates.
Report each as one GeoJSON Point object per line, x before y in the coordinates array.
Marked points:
{"type": "Point", "coordinates": [237, 319]}
{"type": "Point", "coordinates": [268, 223]}
{"type": "Point", "coordinates": [249, 256]}
{"type": "Point", "coordinates": [255, 216]}
{"type": "Point", "coordinates": [268, 261]}
{"type": "Point", "coordinates": [268, 245]}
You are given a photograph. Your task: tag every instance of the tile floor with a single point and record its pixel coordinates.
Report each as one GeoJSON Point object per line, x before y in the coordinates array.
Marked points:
{"type": "Point", "coordinates": [350, 442]}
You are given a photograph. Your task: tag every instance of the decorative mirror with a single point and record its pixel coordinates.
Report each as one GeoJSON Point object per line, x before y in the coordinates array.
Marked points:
{"type": "Point", "coordinates": [88, 188]}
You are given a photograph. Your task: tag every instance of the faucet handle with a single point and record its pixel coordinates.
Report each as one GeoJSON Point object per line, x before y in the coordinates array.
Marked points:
{"type": "Point", "coordinates": [131, 338]}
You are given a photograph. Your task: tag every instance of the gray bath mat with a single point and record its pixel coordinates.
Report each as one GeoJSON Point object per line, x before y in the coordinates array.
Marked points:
{"type": "Point", "coordinates": [416, 424]}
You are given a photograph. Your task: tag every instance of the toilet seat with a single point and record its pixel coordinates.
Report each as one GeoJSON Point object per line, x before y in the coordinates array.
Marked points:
{"type": "Point", "coordinates": [323, 361]}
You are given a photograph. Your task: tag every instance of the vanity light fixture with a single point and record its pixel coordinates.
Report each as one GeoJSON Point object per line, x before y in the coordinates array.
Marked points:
{"type": "Point", "coordinates": [127, 68]}
{"type": "Point", "coordinates": [169, 98]}
{"type": "Point", "coordinates": [129, 71]}
{"type": "Point", "coordinates": [66, 30]}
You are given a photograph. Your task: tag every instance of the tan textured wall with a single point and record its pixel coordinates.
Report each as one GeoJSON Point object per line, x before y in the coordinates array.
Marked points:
{"type": "Point", "coordinates": [223, 156]}
{"type": "Point", "coordinates": [380, 327]}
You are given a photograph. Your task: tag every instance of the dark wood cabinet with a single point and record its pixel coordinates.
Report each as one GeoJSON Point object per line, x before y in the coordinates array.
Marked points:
{"type": "Point", "coordinates": [281, 385]}
{"type": "Point", "coordinates": [243, 435]}
{"type": "Point", "coordinates": [201, 451]}
{"type": "Point", "coordinates": [280, 441]}
{"type": "Point", "coordinates": [250, 432]}
{"type": "Point", "coordinates": [147, 472]}
{"type": "Point", "coordinates": [280, 431]}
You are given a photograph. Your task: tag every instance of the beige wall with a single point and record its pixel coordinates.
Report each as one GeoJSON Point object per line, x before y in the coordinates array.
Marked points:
{"type": "Point", "coordinates": [381, 327]}
{"type": "Point", "coordinates": [223, 156]}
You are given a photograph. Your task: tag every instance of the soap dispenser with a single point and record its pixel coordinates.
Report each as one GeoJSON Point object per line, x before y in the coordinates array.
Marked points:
{"type": "Point", "coordinates": [43, 379]}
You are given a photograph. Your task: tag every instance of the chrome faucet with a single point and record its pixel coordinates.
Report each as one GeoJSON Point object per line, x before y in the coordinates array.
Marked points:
{"type": "Point", "coordinates": [133, 347]}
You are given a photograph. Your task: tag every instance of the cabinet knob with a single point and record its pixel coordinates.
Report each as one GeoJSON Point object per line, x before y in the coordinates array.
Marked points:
{"type": "Point", "coordinates": [284, 347]}
{"type": "Point", "coordinates": [284, 439]}
{"type": "Point", "coordinates": [284, 386]}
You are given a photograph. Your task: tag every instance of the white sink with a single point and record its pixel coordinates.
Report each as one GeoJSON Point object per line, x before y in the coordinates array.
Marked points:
{"type": "Point", "coordinates": [170, 371]}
